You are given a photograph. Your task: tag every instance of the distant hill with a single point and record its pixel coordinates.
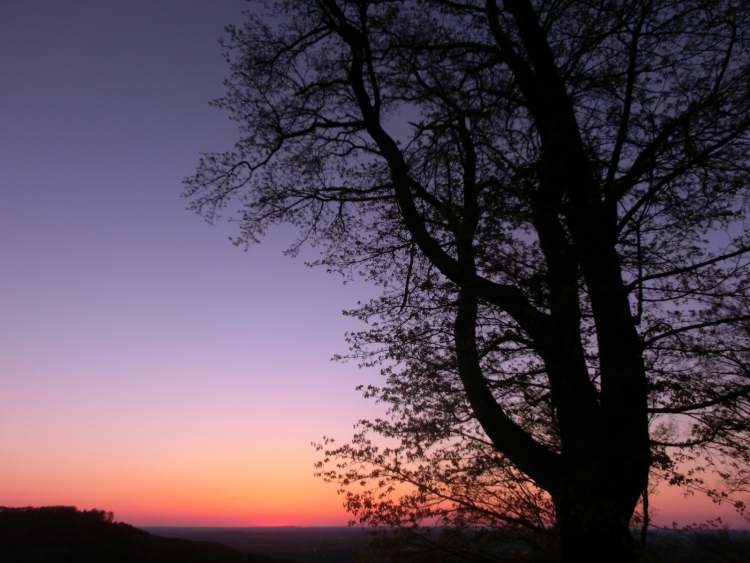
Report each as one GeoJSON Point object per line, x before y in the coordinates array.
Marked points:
{"type": "Point", "coordinates": [62, 534]}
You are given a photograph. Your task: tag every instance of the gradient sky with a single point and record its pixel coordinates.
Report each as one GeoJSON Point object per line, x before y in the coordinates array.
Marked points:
{"type": "Point", "coordinates": [147, 366]}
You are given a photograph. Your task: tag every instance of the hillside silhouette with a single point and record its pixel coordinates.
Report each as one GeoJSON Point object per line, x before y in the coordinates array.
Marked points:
{"type": "Point", "coordinates": [63, 534]}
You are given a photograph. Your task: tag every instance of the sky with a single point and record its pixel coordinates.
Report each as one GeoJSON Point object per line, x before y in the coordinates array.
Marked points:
{"type": "Point", "coordinates": [148, 366]}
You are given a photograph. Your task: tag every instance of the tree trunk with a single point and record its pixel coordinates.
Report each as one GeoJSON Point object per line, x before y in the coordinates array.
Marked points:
{"type": "Point", "coordinates": [593, 523]}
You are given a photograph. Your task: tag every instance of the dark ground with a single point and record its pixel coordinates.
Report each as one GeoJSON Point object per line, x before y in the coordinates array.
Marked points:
{"type": "Point", "coordinates": [306, 545]}
{"type": "Point", "coordinates": [65, 535]}
{"type": "Point", "coordinates": [351, 545]}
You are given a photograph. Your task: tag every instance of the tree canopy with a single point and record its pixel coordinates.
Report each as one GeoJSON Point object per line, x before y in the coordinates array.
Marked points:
{"type": "Point", "coordinates": [553, 197]}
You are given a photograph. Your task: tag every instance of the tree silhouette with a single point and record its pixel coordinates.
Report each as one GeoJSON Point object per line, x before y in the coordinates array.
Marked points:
{"type": "Point", "coordinates": [552, 196]}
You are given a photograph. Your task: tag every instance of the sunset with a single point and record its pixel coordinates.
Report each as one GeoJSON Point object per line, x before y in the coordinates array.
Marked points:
{"type": "Point", "coordinates": [512, 287]}
{"type": "Point", "coordinates": [148, 366]}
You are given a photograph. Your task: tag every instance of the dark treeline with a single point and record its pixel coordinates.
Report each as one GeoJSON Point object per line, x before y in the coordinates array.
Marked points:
{"type": "Point", "coordinates": [62, 534]}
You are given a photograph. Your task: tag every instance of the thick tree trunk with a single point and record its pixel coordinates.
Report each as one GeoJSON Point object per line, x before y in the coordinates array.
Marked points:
{"type": "Point", "coordinates": [593, 538]}
{"type": "Point", "coordinates": [594, 526]}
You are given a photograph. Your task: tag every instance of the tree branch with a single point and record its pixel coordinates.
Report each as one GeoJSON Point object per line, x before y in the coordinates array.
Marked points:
{"type": "Point", "coordinates": [529, 455]}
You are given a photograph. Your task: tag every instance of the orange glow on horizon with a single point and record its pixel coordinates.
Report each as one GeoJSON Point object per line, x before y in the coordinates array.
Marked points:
{"type": "Point", "coordinates": [234, 492]}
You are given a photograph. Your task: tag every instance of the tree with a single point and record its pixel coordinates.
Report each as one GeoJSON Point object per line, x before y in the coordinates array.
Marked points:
{"type": "Point", "coordinates": [552, 196]}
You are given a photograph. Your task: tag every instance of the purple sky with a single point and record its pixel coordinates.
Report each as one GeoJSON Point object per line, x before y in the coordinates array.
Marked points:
{"type": "Point", "coordinates": [129, 326]}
